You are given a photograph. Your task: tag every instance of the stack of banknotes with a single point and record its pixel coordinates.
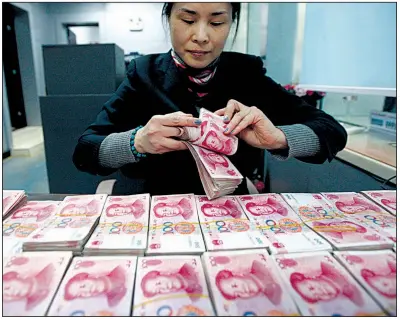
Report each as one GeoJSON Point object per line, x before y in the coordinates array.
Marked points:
{"type": "Point", "coordinates": [284, 229]}
{"type": "Point", "coordinates": [75, 220]}
{"type": "Point", "coordinates": [174, 226]}
{"type": "Point", "coordinates": [342, 232]}
{"type": "Point", "coordinates": [24, 221]}
{"type": "Point", "coordinates": [122, 228]}
{"type": "Point", "coordinates": [360, 209]}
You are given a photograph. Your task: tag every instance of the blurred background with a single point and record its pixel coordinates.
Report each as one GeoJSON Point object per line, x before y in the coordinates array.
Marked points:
{"type": "Point", "coordinates": [62, 61]}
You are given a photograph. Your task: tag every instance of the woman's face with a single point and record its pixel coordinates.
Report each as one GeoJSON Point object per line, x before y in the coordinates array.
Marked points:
{"type": "Point", "coordinates": [199, 31]}
{"type": "Point", "coordinates": [15, 289]}
{"type": "Point", "coordinates": [240, 287]}
{"type": "Point", "coordinates": [87, 288]}
{"type": "Point", "coordinates": [163, 284]}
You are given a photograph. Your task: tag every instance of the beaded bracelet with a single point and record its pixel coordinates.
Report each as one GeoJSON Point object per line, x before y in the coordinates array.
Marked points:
{"type": "Point", "coordinates": [133, 148]}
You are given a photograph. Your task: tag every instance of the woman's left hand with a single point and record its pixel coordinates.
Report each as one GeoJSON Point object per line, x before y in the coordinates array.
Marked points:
{"type": "Point", "coordinates": [252, 126]}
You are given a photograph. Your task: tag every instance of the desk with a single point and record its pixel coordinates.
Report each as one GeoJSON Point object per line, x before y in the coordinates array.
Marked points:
{"type": "Point", "coordinates": [373, 152]}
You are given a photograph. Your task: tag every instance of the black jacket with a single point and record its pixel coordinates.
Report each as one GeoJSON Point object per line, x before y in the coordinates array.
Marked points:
{"type": "Point", "coordinates": [155, 86]}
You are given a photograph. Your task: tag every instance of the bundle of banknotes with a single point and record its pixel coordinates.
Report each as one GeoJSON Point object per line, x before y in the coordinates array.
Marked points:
{"type": "Point", "coordinates": [171, 286]}
{"type": "Point", "coordinates": [12, 199]}
{"type": "Point", "coordinates": [226, 227]}
{"type": "Point", "coordinates": [122, 228]}
{"type": "Point", "coordinates": [357, 207]}
{"type": "Point", "coordinates": [30, 281]}
{"type": "Point", "coordinates": [75, 220]}
{"type": "Point", "coordinates": [342, 232]}
{"type": "Point", "coordinates": [247, 283]}
{"type": "Point", "coordinates": [174, 226]}
{"type": "Point", "coordinates": [210, 146]}
{"type": "Point", "coordinates": [284, 229]}
{"type": "Point", "coordinates": [321, 286]}
{"type": "Point", "coordinates": [24, 221]}
{"type": "Point", "coordinates": [376, 271]}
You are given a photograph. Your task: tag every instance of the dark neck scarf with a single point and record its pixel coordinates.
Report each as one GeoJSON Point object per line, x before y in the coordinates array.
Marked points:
{"type": "Point", "coordinates": [197, 78]}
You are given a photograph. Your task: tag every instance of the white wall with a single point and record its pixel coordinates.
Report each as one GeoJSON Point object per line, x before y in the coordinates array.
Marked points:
{"type": "Point", "coordinates": [41, 34]}
{"type": "Point", "coordinates": [86, 34]}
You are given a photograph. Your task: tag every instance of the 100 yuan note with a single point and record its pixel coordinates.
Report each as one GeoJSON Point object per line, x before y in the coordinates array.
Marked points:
{"type": "Point", "coordinates": [171, 286]}
{"type": "Point", "coordinates": [320, 286]}
{"type": "Point", "coordinates": [247, 283]}
{"type": "Point", "coordinates": [376, 271]}
{"type": "Point", "coordinates": [174, 225]}
{"type": "Point", "coordinates": [30, 280]}
{"type": "Point", "coordinates": [96, 286]}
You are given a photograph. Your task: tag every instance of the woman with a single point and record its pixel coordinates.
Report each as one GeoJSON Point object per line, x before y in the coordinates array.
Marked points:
{"type": "Point", "coordinates": [163, 92]}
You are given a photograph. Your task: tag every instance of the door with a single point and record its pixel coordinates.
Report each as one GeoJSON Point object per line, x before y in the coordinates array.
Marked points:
{"type": "Point", "coordinates": [12, 70]}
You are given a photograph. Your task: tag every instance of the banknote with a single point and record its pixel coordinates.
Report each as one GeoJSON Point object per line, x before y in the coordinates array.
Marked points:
{"type": "Point", "coordinates": [310, 206]}
{"type": "Point", "coordinates": [350, 203]}
{"type": "Point", "coordinates": [384, 198]}
{"type": "Point", "coordinates": [96, 286]}
{"type": "Point", "coordinates": [247, 283]}
{"type": "Point", "coordinates": [23, 221]}
{"type": "Point", "coordinates": [174, 225]}
{"type": "Point", "coordinates": [82, 206]}
{"type": "Point", "coordinates": [345, 234]}
{"type": "Point", "coordinates": [376, 272]}
{"type": "Point", "coordinates": [30, 280]}
{"type": "Point", "coordinates": [171, 286]}
{"type": "Point", "coordinates": [264, 206]}
{"type": "Point", "coordinates": [320, 286]}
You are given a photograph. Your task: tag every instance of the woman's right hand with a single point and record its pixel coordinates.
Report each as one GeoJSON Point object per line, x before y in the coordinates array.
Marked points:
{"type": "Point", "coordinates": [157, 136]}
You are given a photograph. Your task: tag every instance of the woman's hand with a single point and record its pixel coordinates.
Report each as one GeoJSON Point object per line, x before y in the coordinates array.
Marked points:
{"type": "Point", "coordinates": [252, 126]}
{"type": "Point", "coordinates": [156, 136]}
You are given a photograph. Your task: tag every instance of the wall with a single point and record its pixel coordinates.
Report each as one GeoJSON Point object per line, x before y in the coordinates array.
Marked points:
{"type": "Point", "coordinates": [350, 44]}
{"type": "Point", "coordinates": [281, 39]}
{"type": "Point", "coordinates": [27, 68]}
{"type": "Point", "coordinates": [113, 19]}
{"type": "Point", "coordinates": [86, 35]}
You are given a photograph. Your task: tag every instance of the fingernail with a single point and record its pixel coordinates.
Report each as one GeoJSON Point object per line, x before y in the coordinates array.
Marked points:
{"type": "Point", "coordinates": [226, 119]}
{"type": "Point", "coordinates": [226, 130]}
{"type": "Point", "coordinates": [197, 122]}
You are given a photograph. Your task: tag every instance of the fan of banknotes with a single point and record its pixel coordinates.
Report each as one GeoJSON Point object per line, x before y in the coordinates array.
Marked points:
{"type": "Point", "coordinates": [210, 146]}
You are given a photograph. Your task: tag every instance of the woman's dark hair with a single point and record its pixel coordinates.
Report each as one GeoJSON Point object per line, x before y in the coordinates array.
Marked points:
{"type": "Point", "coordinates": [167, 8]}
